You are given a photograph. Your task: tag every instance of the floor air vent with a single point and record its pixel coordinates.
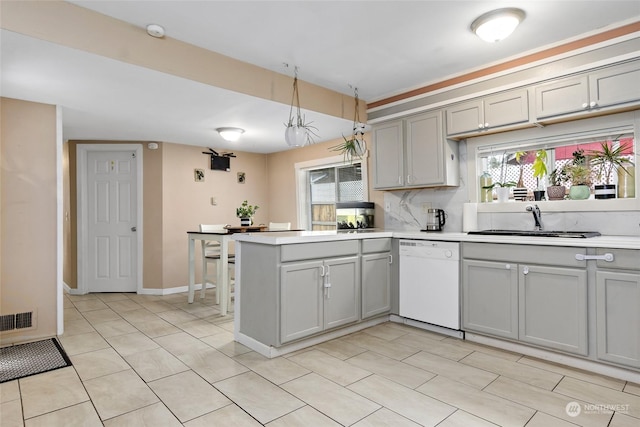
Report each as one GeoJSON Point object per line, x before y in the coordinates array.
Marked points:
{"type": "Point", "coordinates": [9, 322]}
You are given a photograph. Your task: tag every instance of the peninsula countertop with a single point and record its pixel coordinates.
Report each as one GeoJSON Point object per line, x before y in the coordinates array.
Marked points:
{"type": "Point", "coordinates": [290, 237]}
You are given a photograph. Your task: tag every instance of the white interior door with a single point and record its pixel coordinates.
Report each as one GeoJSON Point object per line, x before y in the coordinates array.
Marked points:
{"type": "Point", "coordinates": [111, 222]}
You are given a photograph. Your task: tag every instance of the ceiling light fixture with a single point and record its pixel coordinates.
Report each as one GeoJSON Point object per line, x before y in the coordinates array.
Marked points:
{"type": "Point", "coordinates": [155, 30]}
{"type": "Point", "coordinates": [230, 134]}
{"type": "Point", "coordinates": [498, 24]}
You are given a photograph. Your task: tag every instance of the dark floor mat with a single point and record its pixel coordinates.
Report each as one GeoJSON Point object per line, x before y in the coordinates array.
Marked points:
{"type": "Point", "coordinates": [23, 360]}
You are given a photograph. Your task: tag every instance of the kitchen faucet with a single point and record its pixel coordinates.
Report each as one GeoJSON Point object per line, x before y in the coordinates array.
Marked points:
{"type": "Point", "coordinates": [537, 216]}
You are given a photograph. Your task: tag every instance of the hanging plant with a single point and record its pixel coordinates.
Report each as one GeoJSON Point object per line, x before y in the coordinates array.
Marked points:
{"type": "Point", "coordinates": [355, 146]}
{"type": "Point", "coordinates": [298, 133]}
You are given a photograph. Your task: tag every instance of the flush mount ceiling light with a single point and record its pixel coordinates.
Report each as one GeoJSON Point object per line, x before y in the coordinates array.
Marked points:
{"type": "Point", "coordinates": [498, 24]}
{"type": "Point", "coordinates": [155, 30]}
{"type": "Point", "coordinates": [230, 134]}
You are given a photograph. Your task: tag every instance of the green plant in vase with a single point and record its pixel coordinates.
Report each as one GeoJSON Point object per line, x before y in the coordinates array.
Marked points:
{"type": "Point", "coordinates": [355, 146]}
{"type": "Point", "coordinates": [502, 186]}
{"type": "Point", "coordinates": [246, 212]}
{"type": "Point", "coordinates": [539, 171]}
{"type": "Point", "coordinates": [556, 191]}
{"type": "Point", "coordinates": [608, 160]}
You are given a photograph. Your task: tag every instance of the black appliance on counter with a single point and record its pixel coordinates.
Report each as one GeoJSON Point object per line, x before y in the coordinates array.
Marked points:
{"type": "Point", "coordinates": [353, 215]}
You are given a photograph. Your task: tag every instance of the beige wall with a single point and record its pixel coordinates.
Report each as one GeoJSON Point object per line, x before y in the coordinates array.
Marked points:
{"type": "Point", "coordinates": [282, 180]}
{"type": "Point", "coordinates": [28, 199]}
{"type": "Point", "coordinates": [187, 203]}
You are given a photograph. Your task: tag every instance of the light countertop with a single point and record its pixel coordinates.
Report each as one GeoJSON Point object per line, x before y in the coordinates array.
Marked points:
{"type": "Point", "coordinates": [290, 237]}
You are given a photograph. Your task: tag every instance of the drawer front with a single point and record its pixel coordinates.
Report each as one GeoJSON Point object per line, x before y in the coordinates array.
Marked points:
{"type": "Point", "coordinates": [626, 259]}
{"type": "Point", "coordinates": [376, 245]}
{"type": "Point", "coordinates": [305, 251]}
{"type": "Point", "coordinates": [526, 254]}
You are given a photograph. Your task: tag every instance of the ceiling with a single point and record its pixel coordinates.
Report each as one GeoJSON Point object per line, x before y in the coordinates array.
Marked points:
{"type": "Point", "coordinates": [383, 48]}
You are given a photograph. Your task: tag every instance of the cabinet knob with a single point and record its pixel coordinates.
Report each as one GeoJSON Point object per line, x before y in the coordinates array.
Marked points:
{"type": "Point", "coordinates": [480, 126]}
{"type": "Point", "coordinates": [585, 105]}
{"type": "Point", "coordinates": [507, 266]}
{"type": "Point", "coordinates": [525, 270]}
{"type": "Point", "coordinates": [486, 125]}
{"type": "Point", "coordinates": [592, 104]}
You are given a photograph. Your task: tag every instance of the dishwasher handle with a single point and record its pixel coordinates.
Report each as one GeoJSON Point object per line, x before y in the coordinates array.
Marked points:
{"type": "Point", "coordinates": [608, 257]}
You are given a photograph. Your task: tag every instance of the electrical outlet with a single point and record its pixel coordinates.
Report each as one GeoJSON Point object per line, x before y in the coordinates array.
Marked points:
{"type": "Point", "coordinates": [425, 207]}
{"type": "Point", "coordinates": [214, 201]}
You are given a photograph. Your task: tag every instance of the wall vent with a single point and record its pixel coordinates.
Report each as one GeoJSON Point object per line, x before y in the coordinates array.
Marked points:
{"type": "Point", "coordinates": [10, 322]}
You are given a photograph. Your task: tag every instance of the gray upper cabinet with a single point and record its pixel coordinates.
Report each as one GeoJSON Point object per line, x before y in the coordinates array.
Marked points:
{"type": "Point", "coordinates": [562, 97]}
{"type": "Point", "coordinates": [495, 111]}
{"type": "Point", "coordinates": [553, 307]}
{"type": "Point", "coordinates": [388, 155]}
{"type": "Point", "coordinates": [608, 88]}
{"type": "Point", "coordinates": [413, 152]}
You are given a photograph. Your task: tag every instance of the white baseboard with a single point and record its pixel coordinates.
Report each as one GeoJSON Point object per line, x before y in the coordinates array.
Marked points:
{"type": "Point", "coordinates": [148, 291]}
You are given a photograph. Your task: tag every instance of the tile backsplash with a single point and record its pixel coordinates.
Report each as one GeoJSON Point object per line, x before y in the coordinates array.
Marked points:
{"type": "Point", "coordinates": [407, 212]}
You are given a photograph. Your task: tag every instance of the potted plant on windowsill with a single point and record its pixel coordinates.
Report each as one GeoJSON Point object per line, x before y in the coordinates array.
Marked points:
{"type": "Point", "coordinates": [520, 191]}
{"type": "Point", "coordinates": [246, 212]}
{"type": "Point", "coordinates": [579, 173]}
{"type": "Point", "coordinates": [556, 191]}
{"type": "Point", "coordinates": [502, 187]}
{"type": "Point", "coordinates": [539, 171]}
{"type": "Point", "coordinates": [608, 160]}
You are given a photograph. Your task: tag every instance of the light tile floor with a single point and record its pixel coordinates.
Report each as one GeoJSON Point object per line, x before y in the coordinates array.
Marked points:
{"type": "Point", "coordinates": [158, 361]}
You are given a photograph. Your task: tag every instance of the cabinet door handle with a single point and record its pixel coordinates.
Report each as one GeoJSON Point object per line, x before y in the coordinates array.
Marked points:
{"type": "Point", "coordinates": [322, 272]}
{"type": "Point", "coordinates": [399, 179]}
{"type": "Point", "coordinates": [390, 259]}
{"type": "Point", "coordinates": [525, 270]}
{"type": "Point", "coordinates": [327, 290]}
{"type": "Point", "coordinates": [606, 257]}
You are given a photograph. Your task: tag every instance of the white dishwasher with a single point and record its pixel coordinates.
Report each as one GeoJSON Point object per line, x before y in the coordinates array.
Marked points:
{"type": "Point", "coordinates": [429, 288]}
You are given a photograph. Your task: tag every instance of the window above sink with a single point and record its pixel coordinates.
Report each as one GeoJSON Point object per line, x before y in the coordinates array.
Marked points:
{"type": "Point", "coordinates": [509, 158]}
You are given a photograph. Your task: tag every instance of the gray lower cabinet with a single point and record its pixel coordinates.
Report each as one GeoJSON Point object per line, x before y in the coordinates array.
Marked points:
{"type": "Point", "coordinates": [553, 307]}
{"type": "Point", "coordinates": [318, 295]}
{"type": "Point", "coordinates": [376, 284]}
{"type": "Point", "coordinates": [618, 308]}
{"type": "Point", "coordinates": [490, 298]}
{"type": "Point", "coordinates": [535, 295]}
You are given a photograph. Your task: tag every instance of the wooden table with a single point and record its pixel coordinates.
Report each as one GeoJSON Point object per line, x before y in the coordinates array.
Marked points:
{"type": "Point", "coordinates": [246, 229]}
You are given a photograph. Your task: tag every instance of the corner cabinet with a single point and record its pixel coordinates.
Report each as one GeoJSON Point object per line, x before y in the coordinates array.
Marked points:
{"type": "Point", "coordinates": [524, 294]}
{"type": "Point", "coordinates": [607, 88]}
{"type": "Point", "coordinates": [618, 307]}
{"type": "Point", "coordinates": [413, 153]}
{"type": "Point", "coordinates": [495, 111]}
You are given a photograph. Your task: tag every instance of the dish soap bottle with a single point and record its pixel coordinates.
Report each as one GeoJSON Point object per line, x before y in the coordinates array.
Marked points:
{"type": "Point", "coordinates": [485, 193]}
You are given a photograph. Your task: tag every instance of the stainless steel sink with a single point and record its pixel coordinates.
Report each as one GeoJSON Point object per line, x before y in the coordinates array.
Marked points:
{"type": "Point", "coordinates": [538, 233]}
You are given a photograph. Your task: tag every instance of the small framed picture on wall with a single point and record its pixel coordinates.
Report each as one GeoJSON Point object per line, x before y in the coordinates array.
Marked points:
{"type": "Point", "coordinates": [198, 175]}
{"type": "Point", "coordinates": [241, 177]}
